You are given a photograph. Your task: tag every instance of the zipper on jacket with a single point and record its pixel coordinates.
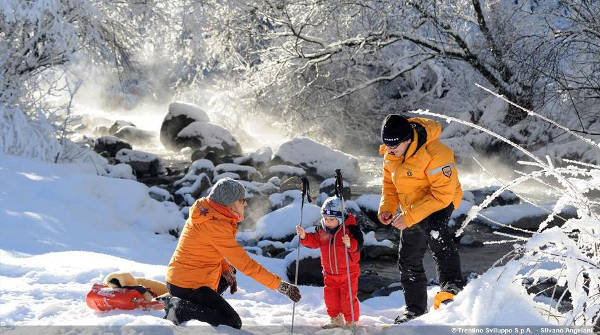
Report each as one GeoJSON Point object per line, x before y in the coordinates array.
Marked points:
{"type": "Point", "coordinates": [337, 271]}
{"type": "Point", "coordinates": [329, 250]}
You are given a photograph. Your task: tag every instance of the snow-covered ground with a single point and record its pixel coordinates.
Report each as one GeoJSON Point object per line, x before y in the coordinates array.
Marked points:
{"type": "Point", "coordinates": [65, 228]}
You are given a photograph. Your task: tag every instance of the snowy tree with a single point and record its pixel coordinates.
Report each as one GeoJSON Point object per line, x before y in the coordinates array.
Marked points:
{"type": "Point", "coordinates": [39, 38]}
{"type": "Point", "coordinates": [344, 64]}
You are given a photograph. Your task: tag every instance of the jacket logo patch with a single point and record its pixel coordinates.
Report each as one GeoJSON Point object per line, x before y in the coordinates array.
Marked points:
{"type": "Point", "coordinates": [409, 173]}
{"type": "Point", "coordinates": [203, 211]}
{"type": "Point", "coordinates": [447, 171]}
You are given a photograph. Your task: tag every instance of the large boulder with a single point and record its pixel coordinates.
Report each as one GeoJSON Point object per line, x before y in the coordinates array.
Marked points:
{"type": "Point", "coordinates": [179, 116]}
{"type": "Point", "coordinates": [110, 145]}
{"type": "Point", "coordinates": [208, 137]}
{"type": "Point", "coordinates": [317, 159]}
{"type": "Point", "coordinates": [143, 163]}
{"type": "Point", "coordinates": [309, 271]}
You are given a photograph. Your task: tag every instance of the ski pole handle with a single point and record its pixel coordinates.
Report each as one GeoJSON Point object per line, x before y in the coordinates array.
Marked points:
{"type": "Point", "coordinates": [306, 189]}
{"type": "Point", "coordinates": [339, 183]}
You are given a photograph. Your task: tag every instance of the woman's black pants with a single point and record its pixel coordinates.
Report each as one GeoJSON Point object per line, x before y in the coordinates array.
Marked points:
{"type": "Point", "coordinates": [203, 304]}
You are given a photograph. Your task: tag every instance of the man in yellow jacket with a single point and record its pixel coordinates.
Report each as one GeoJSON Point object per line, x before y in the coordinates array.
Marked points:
{"type": "Point", "coordinates": [420, 191]}
{"type": "Point", "coordinates": [202, 266]}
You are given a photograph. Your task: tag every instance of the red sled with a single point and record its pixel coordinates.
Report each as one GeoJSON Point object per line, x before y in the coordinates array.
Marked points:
{"type": "Point", "coordinates": [104, 298]}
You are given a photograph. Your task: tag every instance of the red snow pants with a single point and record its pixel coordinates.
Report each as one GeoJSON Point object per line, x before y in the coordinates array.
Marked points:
{"type": "Point", "coordinates": [336, 296]}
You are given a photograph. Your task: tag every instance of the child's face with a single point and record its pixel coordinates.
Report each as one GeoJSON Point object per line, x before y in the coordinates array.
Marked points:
{"type": "Point", "coordinates": [330, 221]}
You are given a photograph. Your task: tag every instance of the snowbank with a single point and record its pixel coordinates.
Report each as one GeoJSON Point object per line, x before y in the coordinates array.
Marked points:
{"type": "Point", "coordinates": [68, 207]}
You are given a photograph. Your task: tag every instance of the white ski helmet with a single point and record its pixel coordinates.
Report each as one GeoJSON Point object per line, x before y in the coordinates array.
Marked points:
{"type": "Point", "coordinates": [332, 206]}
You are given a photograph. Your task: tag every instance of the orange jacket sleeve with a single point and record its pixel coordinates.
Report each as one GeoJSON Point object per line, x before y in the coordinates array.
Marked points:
{"type": "Point", "coordinates": [389, 196]}
{"type": "Point", "coordinates": [224, 241]}
{"type": "Point", "coordinates": [443, 179]}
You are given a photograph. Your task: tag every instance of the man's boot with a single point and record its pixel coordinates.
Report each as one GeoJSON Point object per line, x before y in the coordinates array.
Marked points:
{"type": "Point", "coordinates": [446, 295]}
{"type": "Point", "coordinates": [407, 316]}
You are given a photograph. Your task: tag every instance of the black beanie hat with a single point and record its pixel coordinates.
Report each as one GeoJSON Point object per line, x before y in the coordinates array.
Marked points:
{"type": "Point", "coordinates": [395, 129]}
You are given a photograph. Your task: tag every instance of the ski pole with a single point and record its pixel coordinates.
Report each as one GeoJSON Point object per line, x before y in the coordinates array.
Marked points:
{"type": "Point", "coordinates": [339, 190]}
{"type": "Point", "coordinates": [305, 192]}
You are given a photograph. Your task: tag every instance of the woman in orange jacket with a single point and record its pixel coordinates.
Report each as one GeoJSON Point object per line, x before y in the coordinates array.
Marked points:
{"type": "Point", "coordinates": [202, 266]}
{"type": "Point", "coordinates": [420, 191]}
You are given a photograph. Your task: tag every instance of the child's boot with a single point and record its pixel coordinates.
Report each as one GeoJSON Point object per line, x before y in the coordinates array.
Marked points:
{"type": "Point", "coordinates": [335, 322]}
{"type": "Point", "coordinates": [351, 325]}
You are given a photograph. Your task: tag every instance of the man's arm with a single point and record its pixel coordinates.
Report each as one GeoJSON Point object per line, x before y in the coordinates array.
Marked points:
{"type": "Point", "coordinates": [389, 194]}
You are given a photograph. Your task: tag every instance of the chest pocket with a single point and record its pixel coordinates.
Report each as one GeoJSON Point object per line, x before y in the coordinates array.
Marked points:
{"type": "Point", "coordinates": [410, 175]}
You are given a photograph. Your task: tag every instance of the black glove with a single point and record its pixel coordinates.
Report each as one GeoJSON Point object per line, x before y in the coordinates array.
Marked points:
{"type": "Point", "coordinates": [231, 280]}
{"type": "Point", "coordinates": [289, 290]}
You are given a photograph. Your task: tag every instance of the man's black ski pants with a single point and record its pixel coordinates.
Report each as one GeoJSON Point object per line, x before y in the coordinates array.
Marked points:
{"type": "Point", "coordinates": [433, 232]}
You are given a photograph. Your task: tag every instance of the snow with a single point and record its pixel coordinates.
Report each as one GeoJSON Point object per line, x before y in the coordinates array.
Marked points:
{"type": "Point", "coordinates": [191, 111]}
{"type": "Point", "coordinates": [369, 201]}
{"type": "Point", "coordinates": [121, 170]}
{"type": "Point", "coordinates": [65, 228]}
{"type": "Point", "coordinates": [304, 253]}
{"type": "Point", "coordinates": [261, 155]}
{"type": "Point", "coordinates": [201, 164]}
{"type": "Point", "coordinates": [275, 181]}
{"type": "Point", "coordinates": [195, 186]}
{"type": "Point", "coordinates": [370, 240]}
{"type": "Point", "coordinates": [329, 182]}
{"type": "Point", "coordinates": [277, 199]}
{"type": "Point", "coordinates": [212, 135]}
{"type": "Point", "coordinates": [282, 223]}
{"type": "Point", "coordinates": [266, 188]}
{"type": "Point", "coordinates": [128, 155]}
{"type": "Point", "coordinates": [306, 152]}
{"type": "Point", "coordinates": [159, 194]}
{"type": "Point", "coordinates": [511, 213]}
{"type": "Point", "coordinates": [287, 170]}
{"type": "Point", "coordinates": [231, 175]}
{"type": "Point", "coordinates": [492, 299]}
{"type": "Point", "coordinates": [229, 167]}
{"type": "Point", "coordinates": [69, 207]}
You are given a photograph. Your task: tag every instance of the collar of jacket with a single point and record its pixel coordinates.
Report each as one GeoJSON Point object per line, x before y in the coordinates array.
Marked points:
{"type": "Point", "coordinates": [221, 211]}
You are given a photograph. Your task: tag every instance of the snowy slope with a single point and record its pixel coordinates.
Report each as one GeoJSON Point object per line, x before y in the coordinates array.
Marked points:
{"type": "Point", "coordinates": [66, 228]}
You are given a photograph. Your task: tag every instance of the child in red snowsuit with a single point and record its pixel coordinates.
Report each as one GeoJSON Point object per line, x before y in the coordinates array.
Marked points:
{"type": "Point", "coordinates": [334, 244]}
